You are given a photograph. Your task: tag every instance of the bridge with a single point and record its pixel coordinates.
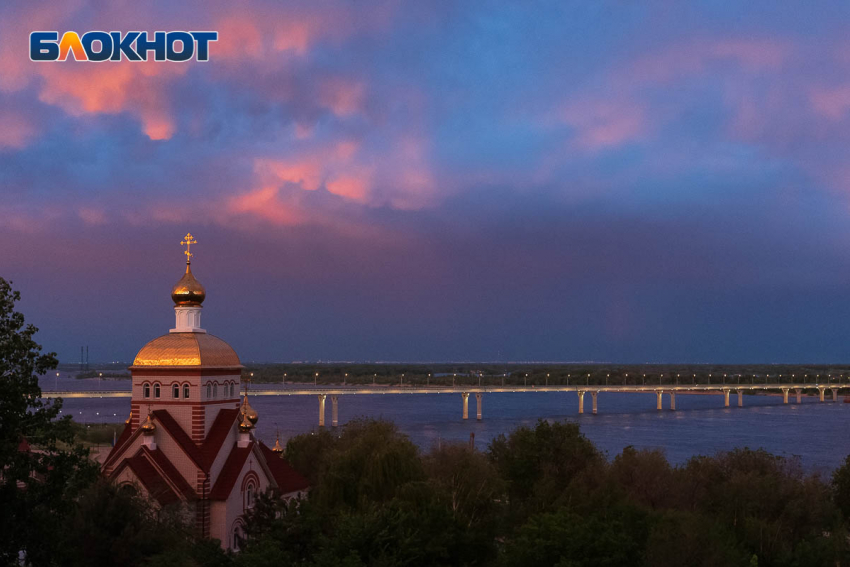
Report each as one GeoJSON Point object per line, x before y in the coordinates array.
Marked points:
{"type": "Point", "coordinates": [660, 390]}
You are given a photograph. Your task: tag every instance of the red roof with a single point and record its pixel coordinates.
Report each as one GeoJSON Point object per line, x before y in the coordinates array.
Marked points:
{"type": "Point", "coordinates": [287, 479]}
{"type": "Point", "coordinates": [181, 437]}
{"type": "Point", "coordinates": [171, 472]}
{"type": "Point", "coordinates": [230, 472]}
{"type": "Point", "coordinates": [156, 485]}
{"type": "Point", "coordinates": [218, 433]}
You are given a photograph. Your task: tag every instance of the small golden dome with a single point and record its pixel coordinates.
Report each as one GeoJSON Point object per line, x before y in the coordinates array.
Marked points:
{"type": "Point", "coordinates": [188, 291]}
{"type": "Point", "coordinates": [248, 411]}
{"type": "Point", "coordinates": [277, 448]}
{"type": "Point", "coordinates": [148, 426]}
{"type": "Point", "coordinates": [245, 426]}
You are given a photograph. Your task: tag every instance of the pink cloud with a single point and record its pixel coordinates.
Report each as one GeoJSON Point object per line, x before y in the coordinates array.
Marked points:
{"type": "Point", "coordinates": [831, 102]}
{"type": "Point", "coordinates": [16, 129]}
{"type": "Point", "coordinates": [694, 57]}
{"type": "Point", "coordinates": [92, 216]}
{"type": "Point", "coordinates": [605, 124]}
{"type": "Point", "coordinates": [354, 187]}
{"type": "Point", "coordinates": [141, 89]}
{"type": "Point", "coordinates": [265, 204]}
{"type": "Point", "coordinates": [306, 173]}
{"type": "Point", "coordinates": [343, 97]}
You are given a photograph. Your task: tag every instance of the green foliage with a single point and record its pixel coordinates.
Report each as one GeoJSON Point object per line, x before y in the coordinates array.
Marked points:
{"type": "Point", "coordinates": [615, 538]}
{"type": "Point", "coordinates": [368, 462]}
{"type": "Point", "coordinates": [686, 538]}
{"type": "Point", "coordinates": [841, 488]}
{"type": "Point", "coordinates": [38, 485]}
{"type": "Point", "coordinates": [544, 495]}
{"type": "Point", "coordinates": [541, 465]}
{"type": "Point", "coordinates": [111, 525]}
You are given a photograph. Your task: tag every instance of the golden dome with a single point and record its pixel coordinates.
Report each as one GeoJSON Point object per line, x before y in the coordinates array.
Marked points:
{"type": "Point", "coordinates": [245, 426]}
{"type": "Point", "coordinates": [248, 411]}
{"type": "Point", "coordinates": [188, 291]}
{"type": "Point", "coordinates": [277, 448]}
{"type": "Point", "coordinates": [148, 426]}
{"type": "Point", "coordinates": [197, 350]}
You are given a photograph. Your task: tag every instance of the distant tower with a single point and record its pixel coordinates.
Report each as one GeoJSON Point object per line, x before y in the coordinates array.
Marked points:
{"type": "Point", "coordinates": [82, 359]}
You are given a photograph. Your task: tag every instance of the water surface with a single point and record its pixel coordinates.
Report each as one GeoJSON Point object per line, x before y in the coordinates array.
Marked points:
{"type": "Point", "coordinates": [813, 430]}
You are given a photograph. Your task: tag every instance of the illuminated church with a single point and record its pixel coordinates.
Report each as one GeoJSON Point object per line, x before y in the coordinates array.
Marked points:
{"type": "Point", "coordinates": [189, 439]}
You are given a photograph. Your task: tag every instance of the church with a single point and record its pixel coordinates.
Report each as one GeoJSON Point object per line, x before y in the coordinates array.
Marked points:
{"type": "Point", "coordinates": [190, 439]}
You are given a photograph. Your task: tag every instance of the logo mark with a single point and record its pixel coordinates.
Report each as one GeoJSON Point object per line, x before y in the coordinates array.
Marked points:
{"type": "Point", "coordinates": [117, 46]}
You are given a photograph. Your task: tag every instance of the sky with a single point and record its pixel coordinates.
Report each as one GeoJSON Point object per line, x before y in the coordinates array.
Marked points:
{"type": "Point", "coordinates": [438, 181]}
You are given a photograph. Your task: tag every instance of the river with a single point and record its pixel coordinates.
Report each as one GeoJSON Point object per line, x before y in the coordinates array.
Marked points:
{"type": "Point", "coordinates": [700, 425]}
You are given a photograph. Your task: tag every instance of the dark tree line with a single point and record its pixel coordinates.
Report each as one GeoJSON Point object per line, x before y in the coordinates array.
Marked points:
{"type": "Point", "coordinates": [544, 495]}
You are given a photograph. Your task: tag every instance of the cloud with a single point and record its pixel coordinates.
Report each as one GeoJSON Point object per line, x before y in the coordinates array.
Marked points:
{"type": "Point", "coordinates": [16, 129]}
{"type": "Point", "coordinates": [831, 102]}
{"type": "Point", "coordinates": [605, 124]}
{"type": "Point", "coordinates": [265, 203]}
{"type": "Point", "coordinates": [353, 186]}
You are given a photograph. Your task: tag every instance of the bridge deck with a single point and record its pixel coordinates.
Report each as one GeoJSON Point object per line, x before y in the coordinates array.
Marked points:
{"type": "Point", "coordinates": [383, 390]}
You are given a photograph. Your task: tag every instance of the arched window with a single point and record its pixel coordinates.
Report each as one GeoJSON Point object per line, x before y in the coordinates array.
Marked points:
{"type": "Point", "coordinates": [209, 390]}
{"type": "Point", "coordinates": [175, 391]}
{"type": "Point", "coordinates": [185, 390]}
{"type": "Point", "coordinates": [215, 390]}
{"type": "Point", "coordinates": [156, 390]}
{"type": "Point", "coordinates": [250, 487]}
{"type": "Point", "coordinates": [237, 536]}
{"type": "Point", "coordinates": [147, 390]}
{"type": "Point", "coordinates": [231, 389]}
{"type": "Point", "coordinates": [249, 495]}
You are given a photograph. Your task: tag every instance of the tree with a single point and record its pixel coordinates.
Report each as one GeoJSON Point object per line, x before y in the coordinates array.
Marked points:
{"type": "Point", "coordinates": [841, 488]}
{"type": "Point", "coordinates": [683, 538]}
{"type": "Point", "coordinates": [113, 525]}
{"type": "Point", "coordinates": [540, 465]}
{"type": "Point", "coordinates": [563, 538]}
{"type": "Point", "coordinates": [367, 463]}
{"type": "Point", "coordinates": [644, 474]}
{"type": "Point", "coordinates": [43, 468]}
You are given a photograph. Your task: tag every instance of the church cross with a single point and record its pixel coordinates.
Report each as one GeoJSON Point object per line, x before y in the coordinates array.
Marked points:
{"type": "Point", "coordinates": [188, 241]}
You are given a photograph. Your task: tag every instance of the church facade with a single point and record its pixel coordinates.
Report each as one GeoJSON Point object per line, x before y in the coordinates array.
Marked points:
{"type": "Point", "coordinates": [189, 439]}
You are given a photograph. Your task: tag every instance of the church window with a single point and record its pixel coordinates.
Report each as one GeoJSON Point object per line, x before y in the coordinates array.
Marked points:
{"type": "Point", "coordinates": [185, 390]}
{"type": "Point", "coordinates": [175, 391]}
{"type": "Point", "coordinates": [209, 390]}
{"type": "Point", "coordinates": [156, 390]}
{"type": "Point", "coordinates": [231, 389]}
{"type": "Point", "coordinates": [249, 495]}
{"type": "Point", "coordinates": [237, 536]}
{"type": "Point", "coordinates": [215, 390]}
{"type": "Point", "coordinates": [147, 390]}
